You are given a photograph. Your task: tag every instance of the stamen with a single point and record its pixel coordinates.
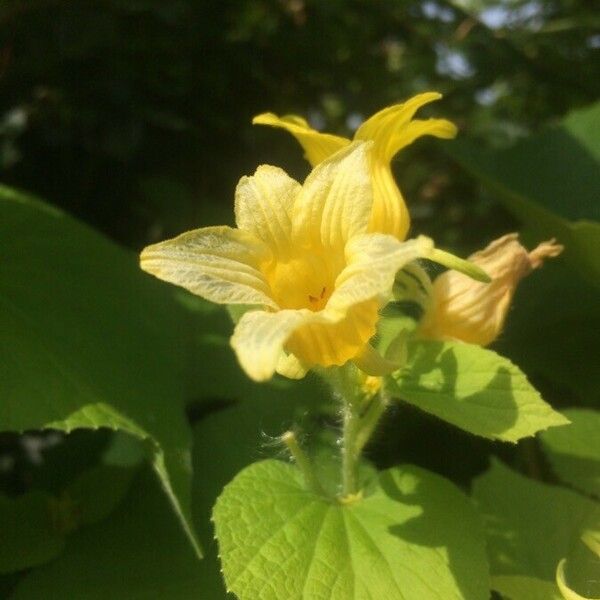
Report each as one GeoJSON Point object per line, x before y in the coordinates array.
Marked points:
{"type": "Point", "coordinates": [314, 299]}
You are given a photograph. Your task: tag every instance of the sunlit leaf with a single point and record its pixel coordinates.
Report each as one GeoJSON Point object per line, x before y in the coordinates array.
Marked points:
{"type": "Point", "coordinates": [472, 388]}
{"type": "Point", "coordinates": [412, 536]}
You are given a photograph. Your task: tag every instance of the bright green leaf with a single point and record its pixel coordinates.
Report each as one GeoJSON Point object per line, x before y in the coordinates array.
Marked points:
{"type": "Point", "coordinates": [472, 388]}
{"type": "Point", "coordinates": [87, 340]}
{"type": "Point", "coordinates": [574, 451]}
{"type": "Point", "coordinates": [413, 536]}
{"type": "Point", "coordinates": [531, 526]}
{"type": "Point", "coordinates": [515, 587]}
{"type": "Point", "coordinates": [28, 536]}
{"type": "Point", "coordinates": [228, 440]}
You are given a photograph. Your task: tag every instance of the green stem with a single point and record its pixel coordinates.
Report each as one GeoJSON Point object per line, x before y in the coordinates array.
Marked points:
{"type": "Point", "coordinates": [350, 455]}
{"type": "Point", "coordinates": [304, 463]}
{"type": "Point", "coordinates": [358, 429]}
{"type": "Point", "coordinates": [370, 419]}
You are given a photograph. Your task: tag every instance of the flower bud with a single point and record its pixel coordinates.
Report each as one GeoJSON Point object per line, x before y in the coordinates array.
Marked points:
{"type": "Point", "coordinates": [474, 312]}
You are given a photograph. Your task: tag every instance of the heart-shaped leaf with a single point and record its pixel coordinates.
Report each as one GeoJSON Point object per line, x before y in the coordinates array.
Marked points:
{"type": "Point", "coordinates": [412, 536]}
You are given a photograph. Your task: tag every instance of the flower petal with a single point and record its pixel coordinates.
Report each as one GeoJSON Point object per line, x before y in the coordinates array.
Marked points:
{"type": "Point", "coordinates": [335, 202]}
{"type": "Point", "coordinates": [263, 206]}
{"type": "Point", "coordinates": [260, 336]}
{"type": "Point", "coordinates": [220, 264]}
{"type": "Point", "coordinates": [390, 127]}
{"type": "Point", "coordinates": [466, 309]}
{"type": "Point", "coordinates": [389, 214]}
{"type": "Point", "coordinates": [317, 146]}
{"type": "Point", "coordinates": [261, 339]}
{"type": "Point", "coordinates": [335, 338]}
{"type": "Point", "coordinates": [373, 260]}
{"type": "Point", "coordinates": [440, 128]}
{"type": "Point", "coordinates": [290, 366]}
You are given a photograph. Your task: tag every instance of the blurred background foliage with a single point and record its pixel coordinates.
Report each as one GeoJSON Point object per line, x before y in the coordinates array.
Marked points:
{"type": "Point", "coordinates": [135, 117]}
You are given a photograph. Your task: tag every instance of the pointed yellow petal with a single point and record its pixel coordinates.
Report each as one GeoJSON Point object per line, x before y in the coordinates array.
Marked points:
{"type": "Point", "coordinates": [263, 206]}
{"type": "Point", "coordinates": [389, 214]}
{"type": "Point", "coordinates": [392, 129]}
{"type": "Point", "coordinates": [389, 126]}
{"type": "Point", "coordinates": [220, 264]}
{"type": "Point", "coordinates": [317, 146]}
{"type": "Point", "coordinates": [417, 128]}
{"type": "Point", "coordinates": [372, 263]}
{"type": "Point", "coordinates": [259, 339]}
{"type": "Point", "coordinates": [335, 202]}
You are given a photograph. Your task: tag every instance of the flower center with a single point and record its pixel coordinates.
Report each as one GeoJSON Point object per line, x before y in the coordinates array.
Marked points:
{"type": "Point", "coordinates": [302, 282]}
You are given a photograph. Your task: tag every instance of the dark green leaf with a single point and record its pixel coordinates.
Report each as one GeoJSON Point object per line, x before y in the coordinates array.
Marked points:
{"type": "Point", "coordinates": [89, 341]}
{"type": "Point", "coordinates": [140, 552]}
{"type": "Point", "coordinates": [28, 534]}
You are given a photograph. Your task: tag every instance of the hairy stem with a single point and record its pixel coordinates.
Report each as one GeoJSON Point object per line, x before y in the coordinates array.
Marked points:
{"type": "Point", "coordinates": [303, 462]}
{"type": "Point", "coordinates": [370, 419]}
{"type": "Point", "coordinates": [350, 454]}
{"type": "Point", "coordinates": [359, 426]}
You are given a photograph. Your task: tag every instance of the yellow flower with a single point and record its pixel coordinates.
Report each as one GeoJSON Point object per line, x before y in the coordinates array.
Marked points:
{"type": "Point", "coordinates": [463, 309]}
{"type": "Point", "coordinates": [391, 129]}
{"type": "Point", "coordinates": [303, 257]}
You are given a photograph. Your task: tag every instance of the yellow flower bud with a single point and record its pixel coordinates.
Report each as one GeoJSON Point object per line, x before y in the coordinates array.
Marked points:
{"type": "Point", "coordinates": [464, 309]}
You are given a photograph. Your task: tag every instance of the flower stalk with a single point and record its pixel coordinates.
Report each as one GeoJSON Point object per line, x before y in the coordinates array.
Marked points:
{"type": "Point", "coordinates": [350, 451]}
{"type": "Point", "coordinates": [370, 420]}
{"type": "Point", "coordinates": [303, 462]}
{"type": "Point", "coordinates": [363, 405]}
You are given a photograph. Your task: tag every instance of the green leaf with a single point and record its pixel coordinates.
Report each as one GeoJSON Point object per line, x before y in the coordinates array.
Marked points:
{"type": "Point", "coordinates": [97, 492]}
{"type": "Point", "coordinates": [28, 535]}
{"type": "Point", "coordinates": [515, 587]}
{"type": "Point", "coordinates": [550, 182]}
{"type": "Point", "coordinates": [88, 341]}
{"type": "Point", "coordinates": [472, 388]}
{"type": "Point", "coordinates": [552, 325]}
{"type": "Point", "coordinates": [34, 526]}
{"type": "Point", "coordinates": [412, 536]}
{"type": "Point", "coordinates": [574, 452]}
{"type": "Point", "coordinates": [531, 526]}
{"type": "Point", "coordinates": [139, 552]}
{"type": "Point", "coordinates": [228, 440]}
